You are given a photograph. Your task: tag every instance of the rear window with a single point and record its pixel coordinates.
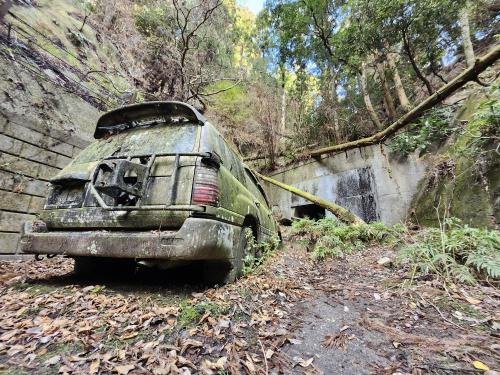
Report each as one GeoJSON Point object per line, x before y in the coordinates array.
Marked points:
{"type": "Point", "coordinates": [159, 139]}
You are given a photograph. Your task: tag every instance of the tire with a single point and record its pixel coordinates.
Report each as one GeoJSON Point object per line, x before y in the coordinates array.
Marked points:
{"type": "Point", "coordinates": [98, 267]}
{"type": "Point", "coordinates": [224, 273]}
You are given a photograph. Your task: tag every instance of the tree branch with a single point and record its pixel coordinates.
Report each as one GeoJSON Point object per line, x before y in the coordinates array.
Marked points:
{"type": "Point", "coordinates": [467, 75]}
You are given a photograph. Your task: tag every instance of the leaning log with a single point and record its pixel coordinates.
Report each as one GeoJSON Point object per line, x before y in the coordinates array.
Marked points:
{"type": "Point", "coordinates": [470, 74]}
{"type": "Point", "coordinates": [340, 212]}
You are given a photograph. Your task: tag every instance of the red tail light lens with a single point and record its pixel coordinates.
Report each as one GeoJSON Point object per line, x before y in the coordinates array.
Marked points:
{"type": "Point", "coordinates": [206, 186]}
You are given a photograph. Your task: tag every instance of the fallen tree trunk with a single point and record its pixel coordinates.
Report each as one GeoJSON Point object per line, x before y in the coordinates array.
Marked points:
{"type": "Point", "coordinates": [467, 75]}
{"type": "Point", "coordinates": [340, 212]}
{"type": "Point", "coordinates": [260, 157]}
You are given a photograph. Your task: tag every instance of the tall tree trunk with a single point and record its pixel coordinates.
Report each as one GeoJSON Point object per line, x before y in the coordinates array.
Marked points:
{"type": "Point", "coordinates": [336, 123]}
{"type": "Point", "coordinates": [366, 98]}
{"type": "Point", "coordinates": [400, 89]}
{"type": "Point", "coordinates": [469, 74]}
{"type": "Point", "coordinates": [283, 104]}
{"type": "Point", "coordinates": [283, 111]}
{"type": "Point", "coordinates": [467, 42]}
{"type": "Point", "coordinates": [388, 102]}
{"type": "Point", "coordinates": [334, 100]}
{"type": "Point", "coordinates": [409, 52]}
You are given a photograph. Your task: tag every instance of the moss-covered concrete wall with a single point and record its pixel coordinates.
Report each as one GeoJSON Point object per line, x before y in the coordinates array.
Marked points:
{"type": "Point", "coordinates": [463, 179]}
{"type": "Point", "coordinates": [55, 81]}
{"type": "Point", "coordinates": [370, 181]}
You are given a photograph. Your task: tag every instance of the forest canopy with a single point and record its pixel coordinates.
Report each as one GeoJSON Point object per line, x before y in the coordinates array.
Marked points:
{"type": "Point", "coordinates": [302, 73]}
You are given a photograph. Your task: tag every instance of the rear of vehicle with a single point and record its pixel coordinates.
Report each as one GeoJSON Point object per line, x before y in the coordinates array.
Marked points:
{"type": "Point", "coordinates": [141, 191]}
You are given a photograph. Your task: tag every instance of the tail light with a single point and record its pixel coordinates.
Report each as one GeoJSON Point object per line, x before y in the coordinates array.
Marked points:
{"type": "Point", "coordinates": [206, 186]}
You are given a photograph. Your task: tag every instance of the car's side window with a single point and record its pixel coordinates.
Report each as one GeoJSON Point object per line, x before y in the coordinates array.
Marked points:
{"type": "Point", "coordinates": [232, 161]}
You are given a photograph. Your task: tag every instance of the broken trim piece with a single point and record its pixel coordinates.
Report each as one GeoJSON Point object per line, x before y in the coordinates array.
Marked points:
{"type": "Point", "coordinates": [135, 112]}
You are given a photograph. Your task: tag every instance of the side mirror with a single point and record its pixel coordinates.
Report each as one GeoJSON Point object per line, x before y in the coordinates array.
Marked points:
{"type": "Point", "coordinates": [212, 159]}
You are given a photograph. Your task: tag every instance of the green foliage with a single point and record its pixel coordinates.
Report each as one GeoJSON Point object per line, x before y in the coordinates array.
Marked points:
{"type": "Point", "coordinates": [455, 252]}
{"type": "Point", "coordinates": [483, 129]}
{"type": "Point", "coordinates": [231, 104]}
{"type": "Point", "coordinates": [258, 253]}
{"type": "Point", "coordinates": [434, 127]}
{"type": "Point", "coordinates": [149, 20]}
{"type": "Point", "coordinates": [191, 314]}
{"type": "Point", "coordinates": [332, 238]}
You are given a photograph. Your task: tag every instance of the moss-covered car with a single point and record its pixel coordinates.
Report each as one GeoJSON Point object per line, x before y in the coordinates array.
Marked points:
{"type": "Point", "coordinates": [161, 186]}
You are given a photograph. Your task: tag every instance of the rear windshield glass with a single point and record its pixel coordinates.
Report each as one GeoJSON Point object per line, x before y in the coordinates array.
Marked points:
{"type": "Point", "coordinates": [142, 141]}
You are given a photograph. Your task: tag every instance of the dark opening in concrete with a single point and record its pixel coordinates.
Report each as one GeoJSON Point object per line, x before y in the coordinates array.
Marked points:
{"type": "Point", "coordinates": [312, 211]}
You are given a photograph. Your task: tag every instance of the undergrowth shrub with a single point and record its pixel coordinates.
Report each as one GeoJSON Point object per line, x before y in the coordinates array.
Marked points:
{"type": "Point", "coordinates": [435, 126]}
{"type": "Point", "coordinates": [258, 253]}
{"type": "Point", "coordinates": [455, 252]}
{"type": "Point", "coordinates": [331, 238]}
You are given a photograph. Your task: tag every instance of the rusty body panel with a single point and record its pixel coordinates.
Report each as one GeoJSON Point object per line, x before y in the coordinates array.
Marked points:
{"type": "Point", "coordinates": [160, 182]}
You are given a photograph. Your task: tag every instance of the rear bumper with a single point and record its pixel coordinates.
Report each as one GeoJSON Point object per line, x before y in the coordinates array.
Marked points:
{"type": "Point", "coordinates": [197, 239]}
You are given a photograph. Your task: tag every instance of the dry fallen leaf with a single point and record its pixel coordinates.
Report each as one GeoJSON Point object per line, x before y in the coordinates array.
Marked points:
{"type": "Point", "coordinates": [472, 300]}
{"type": "Point", "coordinates": [129, 336]}
{"type": "Point", "coordinates": [303, 363]}
{"type": "Point", "coordinates": [94, 366]}
{"type": "Point", "coordinates": [8, 335]}
{"type": "Point", "coordinates": [52, 360]}
{"type": "Point", "coordinates": [294, 341]}
{"type": "Point", "coordinates": [190, 343]}
{"type": "Point", "coordinates": [124, 369]}
{"type": "Point", "coordinates": [338, 340]}
{"type": "Point", "coordinates": [480, 365]}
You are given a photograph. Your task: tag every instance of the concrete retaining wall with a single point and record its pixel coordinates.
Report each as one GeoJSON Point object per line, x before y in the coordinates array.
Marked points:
{"type": "Point", "coordinates": [370, 181]}
{"type": "Point", "coordinates": [42, 127]}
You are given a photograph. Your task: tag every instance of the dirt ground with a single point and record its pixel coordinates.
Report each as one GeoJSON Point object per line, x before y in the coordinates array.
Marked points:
{"type": "Point", "coordinates": [294, 315]}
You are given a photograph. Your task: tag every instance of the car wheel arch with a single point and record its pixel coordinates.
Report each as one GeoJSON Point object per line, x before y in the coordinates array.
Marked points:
{"type": "Point", "coordinates": [253, 223]}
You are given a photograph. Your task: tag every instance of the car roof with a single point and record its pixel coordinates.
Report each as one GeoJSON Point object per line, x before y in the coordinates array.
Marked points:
{"type": "Point", "coordinates": [139, 111]}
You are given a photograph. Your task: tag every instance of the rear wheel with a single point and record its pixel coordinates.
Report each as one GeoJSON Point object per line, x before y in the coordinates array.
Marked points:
{"type": "Point", "coordinates": [95, 266]}
{"type": "Point", "coordinates": [223, 273]}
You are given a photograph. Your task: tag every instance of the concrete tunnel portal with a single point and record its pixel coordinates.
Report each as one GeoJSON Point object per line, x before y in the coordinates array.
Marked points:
{"type": "Point", "coordinates": [369, 181]}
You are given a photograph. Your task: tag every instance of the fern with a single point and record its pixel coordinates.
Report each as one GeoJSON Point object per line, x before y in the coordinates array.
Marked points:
{"type": "Point", "coordinates": [458, 252]}
{"type": "Point", "coordinates": [332, 238]}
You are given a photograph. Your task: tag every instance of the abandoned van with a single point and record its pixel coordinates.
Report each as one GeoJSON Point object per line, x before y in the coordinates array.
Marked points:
{"type": "Point", "coordinates": [161, 186]}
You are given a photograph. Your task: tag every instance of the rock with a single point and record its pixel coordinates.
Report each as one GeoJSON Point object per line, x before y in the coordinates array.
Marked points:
{"type": "Point", "coordinates": [385, 261]}
{"type": "Point", "coordinates": [491, 372]}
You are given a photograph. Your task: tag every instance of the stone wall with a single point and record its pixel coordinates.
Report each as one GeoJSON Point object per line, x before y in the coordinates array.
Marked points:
{"type": "Point", "coordinates": [370, 181]}
{"type": "Point", "coordinates": [42, 126]}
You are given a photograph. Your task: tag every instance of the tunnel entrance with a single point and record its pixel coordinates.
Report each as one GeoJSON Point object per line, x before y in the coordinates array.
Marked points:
{"type": "Point", "coordinates": [312, 211]}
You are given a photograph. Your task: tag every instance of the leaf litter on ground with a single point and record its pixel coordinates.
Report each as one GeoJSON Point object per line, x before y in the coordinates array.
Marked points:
{"type": "Point", "coordinates": [53, 320]}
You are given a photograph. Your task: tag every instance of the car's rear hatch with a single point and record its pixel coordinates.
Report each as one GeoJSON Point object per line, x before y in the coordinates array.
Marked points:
{"type": "Point", "coordinates": [138, 175]}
